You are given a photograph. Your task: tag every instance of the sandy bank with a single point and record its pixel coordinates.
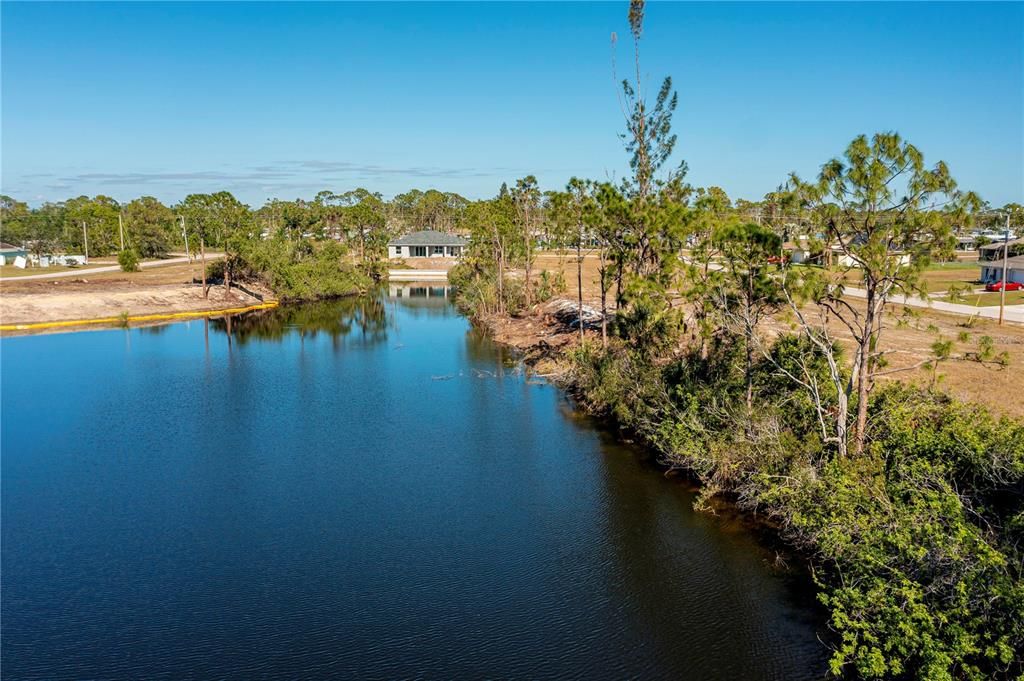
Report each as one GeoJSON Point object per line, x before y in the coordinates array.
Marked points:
{"type": "Point", "coordinates": [86, 300]}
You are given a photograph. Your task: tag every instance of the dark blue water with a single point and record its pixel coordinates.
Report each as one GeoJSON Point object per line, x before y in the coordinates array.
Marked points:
{"type": "Point", "coordinates": [364, 488]}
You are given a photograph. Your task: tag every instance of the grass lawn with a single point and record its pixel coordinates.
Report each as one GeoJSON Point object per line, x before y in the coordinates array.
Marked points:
{"type": "Point", "coordinates": [941, 275]}
{"type": "Point", "coordinates": [10, 271]}
{"type": "Point", "coordinates": [937, 276]}
{"type": "Point", "coordinates": [954, 265]}
{"type": "Point", "coordinates": [988, 299]}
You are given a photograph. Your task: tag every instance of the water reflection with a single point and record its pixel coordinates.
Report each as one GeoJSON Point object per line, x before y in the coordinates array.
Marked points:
{"type": "Point", "coordinates": [337, 318]}
{"type": "Point", "coordinates": [368, 316]}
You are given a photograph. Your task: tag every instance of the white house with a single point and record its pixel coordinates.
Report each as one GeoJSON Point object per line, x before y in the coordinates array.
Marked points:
{"type": "Point", "coordinates": [799, 251]}
{"type": "Point", "coordinates": [8, 253]}
{"type": "Point", "coordinates": [992, 270]}
{"type": "Point", "coordinates": [843, 260]}
{"type": "Point", "coordinates": [427, 244]}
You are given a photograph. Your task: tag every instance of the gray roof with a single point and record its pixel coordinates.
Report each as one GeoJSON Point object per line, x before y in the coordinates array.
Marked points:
{"type": "Point", "coordinates": [998, 245]}
{"type": "Point", "coordinates": [1013, 263]}
{"type": "Point", "coordinates": [429, 237]}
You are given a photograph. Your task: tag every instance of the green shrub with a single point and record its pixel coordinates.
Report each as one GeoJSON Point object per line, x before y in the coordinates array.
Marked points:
{"type": "Point", "coordinates": [128, 259]}
{"type": "Point", "coordinates": [550, 285]}
{"type": "Point", "coordinates": [295, 269]}
{"type": "Point", "coordinates": [478, 292]}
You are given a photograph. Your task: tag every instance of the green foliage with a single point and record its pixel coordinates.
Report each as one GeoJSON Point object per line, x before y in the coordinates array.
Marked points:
{"type": "Point", "coordinates": [550, 285]}
{"type": "Point", "coordinates": [924, 572]}
{"type": "Point", "coordinates": [479, 293]}
{"type": "Point", "coordinates": [218, 220]}
{"type": "Point", "coordinates": [151, 227]}
{"type": "Point", "coordinates": [430, 209]}
{"type": "Point", "coordinates": [956, 293]}
{"type": "Point", "coordinates": [916, 545]}
{"type": "Point", "coordinates": [99, 217]}
{"type": "Point", "coordinates": [128, 259]}
{"type": "Point", "coordinates": [295, 270]}
{"type": "Point", "coordinates": [874, 209]}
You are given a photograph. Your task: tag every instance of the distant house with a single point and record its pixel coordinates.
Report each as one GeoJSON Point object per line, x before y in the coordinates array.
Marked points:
{"type": "Point", "coordinates": [799, 251]}
{"type": "Point", "coordinates": [8, 253]}
{"type": "Point", "coordinates": [992, 270]}
{"type": "Point", "coordinates": [901, 258]}
{"type": "Point", "coordinates": [966, 242]}
{"type": "Point", "coordinates": [427, 244]}
{"type": "Point", "coordinates": [995, 250]}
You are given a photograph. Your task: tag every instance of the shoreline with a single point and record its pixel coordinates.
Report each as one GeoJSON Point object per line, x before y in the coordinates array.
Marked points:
{"type": "Point", "coordinates": [144, 318]}
{"type": "Point", "coordinates": [542, 340]}
{"type": "Point", "coordinates": [159, 295]}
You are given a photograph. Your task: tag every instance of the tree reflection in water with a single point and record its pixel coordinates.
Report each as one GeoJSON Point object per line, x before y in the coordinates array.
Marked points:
{"type": "Point", "coordinates": [361, 318]}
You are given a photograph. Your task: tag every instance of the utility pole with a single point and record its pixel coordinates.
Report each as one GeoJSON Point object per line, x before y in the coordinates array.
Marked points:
{"type": "Point", "coordinates": [188, 253]}
{"type": "Point", "coordinates": [120, 227]}
{"type": "Point", "coordinates": [1006, 256]}
{"type": "Point", "coordinates": [184, 235]}
{"type": "Point", "coordinates": [85, 240]}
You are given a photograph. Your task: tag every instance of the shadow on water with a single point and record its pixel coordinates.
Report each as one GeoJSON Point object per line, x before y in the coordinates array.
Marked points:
{"type": "Point", "coordinates": [724, 557]}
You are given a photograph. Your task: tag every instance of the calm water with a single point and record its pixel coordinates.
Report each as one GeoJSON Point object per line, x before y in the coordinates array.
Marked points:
{"type": "Point", "coordinates": [354, 489]}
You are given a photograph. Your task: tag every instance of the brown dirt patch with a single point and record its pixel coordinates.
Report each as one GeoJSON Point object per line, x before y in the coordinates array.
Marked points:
{"type": "Point", "coordinates": [159, 290]}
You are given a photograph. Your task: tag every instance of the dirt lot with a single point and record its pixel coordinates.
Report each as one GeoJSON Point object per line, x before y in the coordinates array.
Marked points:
{"type": "Point", "coordinates": [109, 294]}
{"type": "Point", "coordinates": [1001, 389]}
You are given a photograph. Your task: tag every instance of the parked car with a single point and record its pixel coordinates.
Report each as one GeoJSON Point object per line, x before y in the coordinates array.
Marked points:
{"type": "Point", "coordinates": [998, 285]}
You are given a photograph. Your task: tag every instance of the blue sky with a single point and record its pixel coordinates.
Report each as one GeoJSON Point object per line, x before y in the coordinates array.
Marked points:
{"type": "Point", "coordinates": [286, 99]}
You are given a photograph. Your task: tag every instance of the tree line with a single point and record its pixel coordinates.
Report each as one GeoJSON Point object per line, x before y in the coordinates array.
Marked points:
{"type": "Point", "coordinates": [153, 229]}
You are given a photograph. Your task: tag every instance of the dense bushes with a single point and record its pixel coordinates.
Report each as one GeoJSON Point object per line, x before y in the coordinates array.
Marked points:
{"type": "Point", "coordinates": [917, 545]}
{"type": "Point", "coordinates": [294, 269]}
{"type": "Point", "coordinates": [479, 292]}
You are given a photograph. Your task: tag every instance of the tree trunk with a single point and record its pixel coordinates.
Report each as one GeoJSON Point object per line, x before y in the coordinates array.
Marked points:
{"type": "Point", "coordinates": [863, 372]}
{"type": "Point", "coordinates": [618, 284]}
{"type": "Point", "coordinates": [579, 280]}
{"type": "Point", "coordinates": [748, 332]}
{"type": "Point", "coordinates": [499, 252]}
{"type": "Point", "coordinates": [227, 270]}
{"type": "Point", "coordinates": [529, 261]}
{"type": "Point", "coordinates": [604, 302]}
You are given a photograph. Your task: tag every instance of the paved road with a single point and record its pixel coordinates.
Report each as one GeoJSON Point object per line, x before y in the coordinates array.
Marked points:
{"type": "Point", "coordinates": [106, 268]}
{"type": "Point", "coordinates": [1012, 313]}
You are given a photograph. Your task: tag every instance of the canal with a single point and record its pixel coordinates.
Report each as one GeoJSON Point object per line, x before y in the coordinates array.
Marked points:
{"type": "Point", "coordinates": [356, 488]}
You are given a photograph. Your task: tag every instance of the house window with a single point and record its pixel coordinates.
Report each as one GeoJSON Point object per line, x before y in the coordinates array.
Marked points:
{"type": "Point", "coordinates": [438, 250]}
{"type": "Point", "coordinates": [419, 251]}
{"type": "Point", "coordinates": [398, 250]}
